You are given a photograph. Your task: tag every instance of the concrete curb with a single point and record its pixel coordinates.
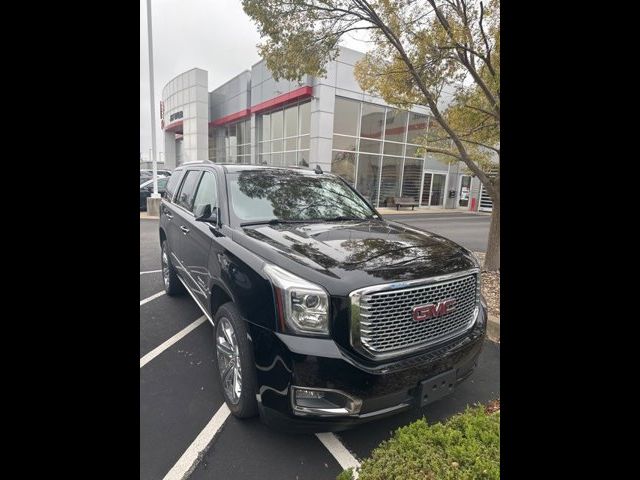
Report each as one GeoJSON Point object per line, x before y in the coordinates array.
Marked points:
{"type": "Point", "coordinates": [493, 328]}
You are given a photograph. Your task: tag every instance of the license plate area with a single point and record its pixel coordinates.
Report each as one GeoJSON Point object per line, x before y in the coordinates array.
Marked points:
{"type": "Point", "coordinates": [436, 387]}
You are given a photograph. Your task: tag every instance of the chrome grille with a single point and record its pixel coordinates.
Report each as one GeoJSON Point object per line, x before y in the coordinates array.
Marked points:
{"type": "Point", "coordinates": [382, 320]}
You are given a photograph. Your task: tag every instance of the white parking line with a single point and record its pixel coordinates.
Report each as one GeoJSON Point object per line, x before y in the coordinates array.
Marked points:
{"type": "Point", "coordinates": [152, 297]}
{"type": "Point", "coordinates": [163, 346]}
{"type": "Point", "coordinates": [190, 458]}
{"type": "Point", "coordinates": [151, 271]}
{"type": "Point", "coordinates": [339, 452]}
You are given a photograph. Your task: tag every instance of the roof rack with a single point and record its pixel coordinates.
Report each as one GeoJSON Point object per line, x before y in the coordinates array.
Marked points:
{"type": "Point", "coordinates": [196, 161]}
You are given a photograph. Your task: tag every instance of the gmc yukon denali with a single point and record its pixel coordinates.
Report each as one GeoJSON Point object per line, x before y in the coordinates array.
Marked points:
{"type": "Point", "coordinates": [325, 315]}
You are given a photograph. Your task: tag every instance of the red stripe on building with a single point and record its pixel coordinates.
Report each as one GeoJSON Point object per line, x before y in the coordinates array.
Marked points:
{"type": "Point", "coordinates": [278, 101]}
{"type": "Point", "coordinates": [230, 118]}
{"type": "Point", "coordinates": [283, 99]}
{"type": "Point", "coordinates": [174, 127]}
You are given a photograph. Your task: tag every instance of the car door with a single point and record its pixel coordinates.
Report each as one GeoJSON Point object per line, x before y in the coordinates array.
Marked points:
{"type": "Point", "coordinates": [167, 210]}
{"type": "Point", "coordinates": [200, 237]}
{"type": "Point", "coordinates": [181, 223]}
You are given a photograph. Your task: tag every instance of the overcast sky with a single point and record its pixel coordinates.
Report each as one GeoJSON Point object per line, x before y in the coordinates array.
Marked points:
{"type": "Point", "coordinates": [215, 35]}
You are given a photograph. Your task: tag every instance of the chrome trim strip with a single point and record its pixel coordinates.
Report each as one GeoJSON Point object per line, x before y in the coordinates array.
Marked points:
{"type": "Point", "coordinates": [411, 283]}
{"type": "Point", "coordinates": [184, 269]}
{"type": "Point", "coordinates": [325, 412]}
{"type": "Point", "coordinates": [385, 410]}
{"type": "Point", "coordinates": [197, 301]}
{"type": "Point", "coordinates": [393, 287]}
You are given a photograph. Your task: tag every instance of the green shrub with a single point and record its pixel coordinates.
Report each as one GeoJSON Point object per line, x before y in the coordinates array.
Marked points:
{"type": "Point", "coordinates": [346, 474]}
{"type": "Point", "coordinates": [465, 447]}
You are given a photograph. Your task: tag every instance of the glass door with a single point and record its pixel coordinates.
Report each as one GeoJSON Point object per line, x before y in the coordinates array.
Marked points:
{"type": "Point", "coordinates": [433, 189]}
{"type": "Point", "coordinates": [464, 191]}
{"type": "Point", "coordinates": [426, 189]}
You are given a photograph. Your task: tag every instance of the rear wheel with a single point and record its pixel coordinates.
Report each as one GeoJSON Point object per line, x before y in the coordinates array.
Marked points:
{"type": "Point", "coordinates": [172, 284]}
{"type": "Point", "coordinates": [236, 366]}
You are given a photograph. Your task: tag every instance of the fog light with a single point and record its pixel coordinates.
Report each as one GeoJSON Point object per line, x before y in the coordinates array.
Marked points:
{"type": "Point", "coordinates": [323, 402]}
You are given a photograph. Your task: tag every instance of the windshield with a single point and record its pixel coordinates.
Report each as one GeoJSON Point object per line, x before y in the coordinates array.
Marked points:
{"type": "Point", "coordinates": [162, 182]}
{"type": "Point", "coordinates": [283, 195]}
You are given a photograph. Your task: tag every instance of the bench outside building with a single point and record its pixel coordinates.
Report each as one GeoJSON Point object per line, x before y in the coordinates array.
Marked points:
{"type": "Point", "coordinates": [404, 202]}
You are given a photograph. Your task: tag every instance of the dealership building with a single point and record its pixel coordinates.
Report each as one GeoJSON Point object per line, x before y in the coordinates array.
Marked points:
{"type": "Point", "coordinates": [327, 121]}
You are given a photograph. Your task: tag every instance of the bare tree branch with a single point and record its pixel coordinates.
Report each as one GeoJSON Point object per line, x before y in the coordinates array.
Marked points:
{"type": "Point", "coordinates": [464, 60]}
{"type": "Point", "coordinates": [486, 43]}
{"type": "Point", "coordinates": [464, 156]}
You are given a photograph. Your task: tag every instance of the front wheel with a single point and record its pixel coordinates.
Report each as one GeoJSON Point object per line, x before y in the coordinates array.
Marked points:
{"type": "Point", "coordinates": [236, 366]}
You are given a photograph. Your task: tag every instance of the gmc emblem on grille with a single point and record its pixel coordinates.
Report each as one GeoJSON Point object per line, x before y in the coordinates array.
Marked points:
{"type": "Point", "coordinates": [433, 310]}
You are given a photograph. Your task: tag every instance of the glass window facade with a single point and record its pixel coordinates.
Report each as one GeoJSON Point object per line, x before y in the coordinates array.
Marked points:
{"type": "Point", "coordinates": [344, 164]}
{"type": "Point", "coordinates": [376, 149]}
{"type": "Point", "coordinates": [283, 136]}
{"type": "Point", "coordinates": [231, 143]}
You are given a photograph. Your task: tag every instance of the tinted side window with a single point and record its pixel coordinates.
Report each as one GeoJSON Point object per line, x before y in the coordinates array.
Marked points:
{"type": "Point", "coordinates": [174, 181]}
{"type": "Point", "coordinates": [207, 192]}
{"type": "Point", "coordinates": [185, 196]}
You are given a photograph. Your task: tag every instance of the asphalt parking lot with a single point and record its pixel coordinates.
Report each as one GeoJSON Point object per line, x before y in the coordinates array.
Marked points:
{"type": "Point", "coordinates": [471, 230]}
{"type": "Point", "coordinates": [181, 404]}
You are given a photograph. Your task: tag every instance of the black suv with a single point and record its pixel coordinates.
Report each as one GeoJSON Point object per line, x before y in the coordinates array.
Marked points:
{"type": "Point", "coordinates": [325, 314]}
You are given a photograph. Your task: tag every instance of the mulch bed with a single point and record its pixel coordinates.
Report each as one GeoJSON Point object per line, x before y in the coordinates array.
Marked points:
{"type": "Point", "coordinates": [492, 406]}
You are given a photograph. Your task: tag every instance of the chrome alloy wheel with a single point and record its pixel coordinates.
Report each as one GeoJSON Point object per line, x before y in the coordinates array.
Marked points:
{"type": "Point", "coordinates": [165, 267]}
{"type": "Point", "coordinates": [229, 360]}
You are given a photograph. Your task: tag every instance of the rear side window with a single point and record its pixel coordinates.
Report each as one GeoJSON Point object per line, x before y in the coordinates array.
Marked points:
{"type": "Point", "coordinates": [207, 192]}
{"type": "Point", "coordinates": [174, 181]}
{"type": "Point", "coordinates": [188, 189]}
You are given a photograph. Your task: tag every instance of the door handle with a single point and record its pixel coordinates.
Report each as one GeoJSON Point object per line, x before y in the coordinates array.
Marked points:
{"type": "Point", "coordinates": [167, 212]}
{"type": "Point", "coordinates": [184, 229]}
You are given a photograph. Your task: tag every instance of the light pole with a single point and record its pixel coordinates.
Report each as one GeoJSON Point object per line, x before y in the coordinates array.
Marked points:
{"type": "Point", "coordinates": [153, 108]}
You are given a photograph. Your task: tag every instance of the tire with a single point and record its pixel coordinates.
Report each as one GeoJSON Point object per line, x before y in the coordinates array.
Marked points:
{"type": "Point", "coordinates": [172, 285]}
{"type": "Point", "coordinates": [239, 391]}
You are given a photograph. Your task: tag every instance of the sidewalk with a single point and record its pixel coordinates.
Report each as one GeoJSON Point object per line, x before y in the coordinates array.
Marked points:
{"type": "Point", "coordinates": [423, 210]}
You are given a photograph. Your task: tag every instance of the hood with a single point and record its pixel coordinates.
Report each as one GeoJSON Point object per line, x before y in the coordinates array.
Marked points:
{"type": "Point", "coordinates": [362, 253]}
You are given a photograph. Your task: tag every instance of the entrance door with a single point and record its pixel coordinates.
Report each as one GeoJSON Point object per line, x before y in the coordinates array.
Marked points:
{"type": "Point", "coordinates": [426, 189]}
{"type": "Point", "coordinates": [437, 190]}
{"type": "Point", "coordinates": [464, 191]}
{"type": "Point", "coordinates": [433, 189]}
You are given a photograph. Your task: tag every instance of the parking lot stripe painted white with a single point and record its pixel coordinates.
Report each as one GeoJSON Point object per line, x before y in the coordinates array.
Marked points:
{"type": "Point", "coordinates": [190, 458]}
{"type": "Point", "coordinates": [339, 452]}
{"type": "Point", "coordinates": [151, 271]}
{"type": "Point", "coordinates": [152, 297]}
{"type": "Point", "coordinates": [163, 346]}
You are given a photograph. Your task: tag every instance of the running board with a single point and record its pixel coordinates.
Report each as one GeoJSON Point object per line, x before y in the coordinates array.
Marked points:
{"type": "Point", "coordinates": [196, 300]}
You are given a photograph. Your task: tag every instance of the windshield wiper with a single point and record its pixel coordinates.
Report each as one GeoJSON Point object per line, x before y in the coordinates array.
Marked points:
{"type": "Point", "coordinates": [275, 221]}
{"type": "Point", "coordinates": [345, 218]}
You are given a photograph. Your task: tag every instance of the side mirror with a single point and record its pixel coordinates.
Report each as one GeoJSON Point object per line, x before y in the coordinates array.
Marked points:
{"type": "Point", "coordinates": [204, 213]}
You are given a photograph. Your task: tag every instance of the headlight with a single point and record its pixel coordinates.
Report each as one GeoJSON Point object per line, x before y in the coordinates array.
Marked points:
{"type": "Point", "coordinates": [302, 306]}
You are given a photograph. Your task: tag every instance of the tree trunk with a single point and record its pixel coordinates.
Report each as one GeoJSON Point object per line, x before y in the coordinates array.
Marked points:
{"type": "Point", "coordinates": [492, 259]}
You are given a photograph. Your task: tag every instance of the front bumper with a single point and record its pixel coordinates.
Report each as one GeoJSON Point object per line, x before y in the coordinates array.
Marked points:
{"type": "Point", "coordinates": [385, 389]}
